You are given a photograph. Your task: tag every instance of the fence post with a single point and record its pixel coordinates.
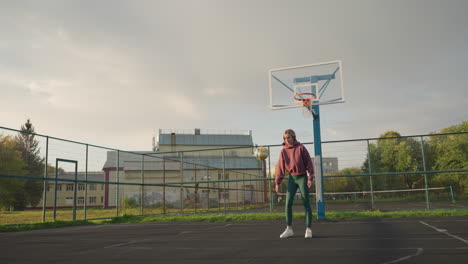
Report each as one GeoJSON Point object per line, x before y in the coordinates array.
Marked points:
{"type": "Point", "coordinates": [195, 190]}
{"type": "Point", "coordinates": [425, 174]}
{"type": "Point", "coordinates": [269, 182]}
{"type": "Point", "coordinates": [45, 183]}
{"type": "Point", "coordinates": [244, 188]}
{"type": "Point", "coordinates": [142, 191]}
{"type": "Point", "coordinates": [86, 183]}
{"type": "Point", "coordinates": [370, 176]}
{"type": "Point", "coordinates": [451, 194]}
{"type": "Point", "coordinates": [224, 180]}
{"type": "Point", "coordinates": [117, 185]}
{"type": "Point", "coordinates": [75, 191]}
{"type": "Point", "coordinates": [237, 190]}
{"type": "Point", "coordinates": [209, 188]}
{"type": "Point", "coordinates": [164, 186]}
{"type": "Point", "coordinates": [56, 189]}
{"type": "Point", "coordinates": [181, 191]}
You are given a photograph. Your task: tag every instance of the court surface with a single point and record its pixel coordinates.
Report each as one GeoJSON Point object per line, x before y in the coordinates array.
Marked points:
{"type": "Point", "coordinates": [398, 240]}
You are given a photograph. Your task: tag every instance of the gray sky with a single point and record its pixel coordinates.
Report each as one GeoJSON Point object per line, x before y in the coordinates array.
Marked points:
{"type": "Point", "coordinates": [112, 73]}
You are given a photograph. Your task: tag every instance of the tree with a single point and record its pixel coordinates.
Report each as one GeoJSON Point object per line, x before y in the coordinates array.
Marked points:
{"type": "Point", "coordinates": [451, 153]}
{"type": "Point", "coordinates": [348, 183]}
{"type": "Point", "coordinates": [374, 166]}
{"type": "Point", "coordinates": [28, 146]}
{"type": "Point", "coordinates": [11, 163]}
{"type": "Point", "coordinates": [408, 159]}
{"type": "Point", "coordinates": [394, 153]}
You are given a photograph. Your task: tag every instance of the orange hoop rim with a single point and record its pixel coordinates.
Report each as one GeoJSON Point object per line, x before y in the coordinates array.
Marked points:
{"type": "Point", "coordinates": [305, 101]}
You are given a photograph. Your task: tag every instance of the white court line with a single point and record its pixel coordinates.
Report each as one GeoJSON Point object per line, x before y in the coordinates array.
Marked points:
{"type": "Point", "coordinates": [126, 243]}
{"type": "Point", "coordinates": [437, 221]}
{"type": "Point", "coordinates": [444, 232]}
{"type": "Point", "coordinates": [419, 251]}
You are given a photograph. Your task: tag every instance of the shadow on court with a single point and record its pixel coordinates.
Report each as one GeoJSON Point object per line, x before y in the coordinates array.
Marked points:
{"type": "Point", "coordinates": [399, 240]}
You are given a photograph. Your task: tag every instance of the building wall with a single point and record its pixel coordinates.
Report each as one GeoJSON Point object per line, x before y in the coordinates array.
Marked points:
{"type": "Point", "coordinates": [193, 166]}
{"type": "Point", "coordinates": [65, 194]}
{"type": "Point", "coordinates": [208, 150]}
{"type": "Point", "coordinates": [174, 194]}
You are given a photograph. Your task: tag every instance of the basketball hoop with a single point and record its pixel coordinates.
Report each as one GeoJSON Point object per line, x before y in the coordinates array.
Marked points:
{"type": "Point", "coordinates": [305, 100]}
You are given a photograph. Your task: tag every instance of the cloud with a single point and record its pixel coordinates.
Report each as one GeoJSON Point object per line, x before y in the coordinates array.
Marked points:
{"type": "Point", "coordinates": [219, 91]}
{"type": "Point", "coordinates": [141, 66]}
{"type": "Point", "coordinates": [183, 106]}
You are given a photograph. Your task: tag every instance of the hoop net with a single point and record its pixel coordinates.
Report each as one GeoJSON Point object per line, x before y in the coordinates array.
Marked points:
{"type": "Point", "coordinates": [306, 101]}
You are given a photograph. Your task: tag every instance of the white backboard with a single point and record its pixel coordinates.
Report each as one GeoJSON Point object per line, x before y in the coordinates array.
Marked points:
{"type": "Point", "coordinates": [324, 80]}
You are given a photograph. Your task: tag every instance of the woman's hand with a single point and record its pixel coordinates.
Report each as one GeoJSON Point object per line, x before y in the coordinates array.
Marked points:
{"type": "Point", "coordinates": [277, 188]}
{"type": "Point", "coordinates": [309, 183]}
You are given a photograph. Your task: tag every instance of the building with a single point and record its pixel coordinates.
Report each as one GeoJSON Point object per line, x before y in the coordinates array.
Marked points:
{"type": "Point", "coordinates": [330, 165]}
{"type": "Point", "coordinates": [185, 170]}
{"type": "Point", "coordinates": [93, 197]}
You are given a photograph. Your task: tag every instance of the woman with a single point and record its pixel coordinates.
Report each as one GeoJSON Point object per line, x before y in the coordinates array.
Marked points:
{"type": "Point", "coordinates": [295, 159]}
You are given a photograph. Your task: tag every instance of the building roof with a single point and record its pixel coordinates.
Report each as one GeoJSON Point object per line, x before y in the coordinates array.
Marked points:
{"type": "Point", "coordinates": [208, 163]}
{"type": "Point", "coordinates": [195, 137]}
{"type": "Point", "coordinates": [111, 161]}
{"type": "Point", "coordinates": [97, 176]}
{"type": "Point", "coordinates": [206, 140]}
{"type": "Point", "coordinates": [198, 137]}
{"type": "Point", "coordinates": [130, 161]}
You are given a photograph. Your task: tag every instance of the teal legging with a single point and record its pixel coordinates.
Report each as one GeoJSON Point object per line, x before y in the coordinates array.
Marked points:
{"type": "Point", "coordinates": [300, 181]}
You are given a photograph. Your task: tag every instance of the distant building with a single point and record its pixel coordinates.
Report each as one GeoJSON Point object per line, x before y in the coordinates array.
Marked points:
{"type": "Point", "coordinates": [189, 156]}
{"type": "Point", "coordinates": [94, 197]}
{"type": "Point", "coordinates": [171, 140]}
{"type": "Point", "coordinates": [330, 165]}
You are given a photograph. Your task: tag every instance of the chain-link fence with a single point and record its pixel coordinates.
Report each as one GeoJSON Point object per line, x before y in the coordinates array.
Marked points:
{"type": "Point", "coordinates": [67, 180]}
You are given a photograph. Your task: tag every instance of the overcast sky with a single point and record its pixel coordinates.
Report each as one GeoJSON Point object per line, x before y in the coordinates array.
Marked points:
{"type": "Point", "coordinates": [112, 73]}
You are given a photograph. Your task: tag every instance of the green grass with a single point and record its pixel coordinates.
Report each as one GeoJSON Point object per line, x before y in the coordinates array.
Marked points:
{"type": "Point", "coordinates": [35, 216]}
{"type": "Point", "coordinates": [231, 218]}
{"type": "Point", "coordinates": [57, 224]}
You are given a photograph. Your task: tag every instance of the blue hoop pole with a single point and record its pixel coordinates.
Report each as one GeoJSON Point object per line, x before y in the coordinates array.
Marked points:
{"type": "Point", "coordinates": [319, 190]}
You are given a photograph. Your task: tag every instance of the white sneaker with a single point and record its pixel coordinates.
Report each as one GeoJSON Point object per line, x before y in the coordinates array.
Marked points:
{"type": "Point", "coordinates": [308, 234]}
{"type": "Point", "coordinates": [287, 233]}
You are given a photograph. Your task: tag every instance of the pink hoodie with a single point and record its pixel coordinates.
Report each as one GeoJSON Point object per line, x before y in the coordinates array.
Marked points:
{"type": "Point", "coordinates": [295, 160]}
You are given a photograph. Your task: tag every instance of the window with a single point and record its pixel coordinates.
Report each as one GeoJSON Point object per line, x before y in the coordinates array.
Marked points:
{"type": "Point", "coordinates": [92, 187]}
{"type": "Point", "coordinates": [51, 187]}
{"type": "Point", "coordinates": [102, 187]}
{"type": "Point", "coordinates": [102, 199]}
{"type": "Point", "coordinates": [81, 187]}
{"type": "Point", "coordinates": [92, 200]}
{"type": "Point", "coordinates": [224, 195]}
{"type": "Point", "coordinates": [249, 193]}
{"type": "Point", "coordinates": [69, 187]}
{"type": "Point", "coordinates": [69, 200]}
{"type": "Point", "coordinates": [80, 200]}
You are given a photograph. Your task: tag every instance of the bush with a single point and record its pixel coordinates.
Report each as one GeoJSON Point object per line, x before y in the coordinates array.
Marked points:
{"type": "Point", "coordinates": [128, 203]}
